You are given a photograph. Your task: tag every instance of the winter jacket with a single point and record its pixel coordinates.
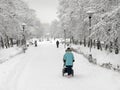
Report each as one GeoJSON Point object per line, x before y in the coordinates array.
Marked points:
{"type": "Point", "coordinates": [68, 59]}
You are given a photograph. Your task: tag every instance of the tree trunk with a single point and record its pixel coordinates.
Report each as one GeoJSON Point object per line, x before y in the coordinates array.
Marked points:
{"type": "Point", "coordinates": [2, 42]}
{"type": "Point", "coordinates": [11, 42]}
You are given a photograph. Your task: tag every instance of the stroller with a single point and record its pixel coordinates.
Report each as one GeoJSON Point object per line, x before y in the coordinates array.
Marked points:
{"type": "Point", "coordinates": [64, 70]}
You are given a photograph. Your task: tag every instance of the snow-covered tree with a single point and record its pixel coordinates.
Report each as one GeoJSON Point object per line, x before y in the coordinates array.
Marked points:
{"type": "Point", "coordinates": [104, 21]}
{"type": "Point", "coordinates": [12, 14]}
{"type": "Point", "coordinates": [55, 29]}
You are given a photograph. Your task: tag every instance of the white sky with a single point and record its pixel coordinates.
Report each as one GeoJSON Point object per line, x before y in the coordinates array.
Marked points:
{"type": "Point", "coordinates": [45, 9]}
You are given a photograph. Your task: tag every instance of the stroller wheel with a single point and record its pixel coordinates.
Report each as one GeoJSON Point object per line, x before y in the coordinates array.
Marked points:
{"type": "Point", "coordinates": [72, 72]}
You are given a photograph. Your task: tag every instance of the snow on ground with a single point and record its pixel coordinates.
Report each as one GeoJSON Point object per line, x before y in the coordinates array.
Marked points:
{"type": "Point", "coordinates": [101, 56]}
{"type": "Point", "coordinates": [8, 53]}
{"type": "Point", "coordinates": [7, 65]}
{"type": "Point", "coordinates": [40, 68]}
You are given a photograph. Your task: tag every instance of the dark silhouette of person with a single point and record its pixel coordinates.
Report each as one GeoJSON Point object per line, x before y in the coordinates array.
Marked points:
{"type": "Point", "coordinates": [57, 44]}
{"type": "Point", "coordinates": [35, 43]}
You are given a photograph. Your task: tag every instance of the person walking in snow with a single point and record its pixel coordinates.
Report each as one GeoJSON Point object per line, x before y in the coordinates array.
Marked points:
{"type": "Point", "coordinates": [68, 60]}
{"type": "Point", "coordinates": [35, 43]}
{"type": "Point", "coordinates": [57, 44]}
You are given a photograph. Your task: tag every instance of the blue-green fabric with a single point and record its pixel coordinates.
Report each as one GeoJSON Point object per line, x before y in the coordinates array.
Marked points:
{"type": "Point", "coordinates": [68, 57]}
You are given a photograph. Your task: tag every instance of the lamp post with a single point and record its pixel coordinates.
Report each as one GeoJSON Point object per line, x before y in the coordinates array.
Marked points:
{"type": "Point", "coordinates": [90, 13]}
{"type": "Point", "coordinates": [24, 38]}
{"type": "Point", "coordinates": [65, 37]}
{"type": "Point", "coordinates": [71, 27]}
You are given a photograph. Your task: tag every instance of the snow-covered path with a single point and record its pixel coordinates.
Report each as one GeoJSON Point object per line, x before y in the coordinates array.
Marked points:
{"type": "Point", "coordinates": [43, 71]}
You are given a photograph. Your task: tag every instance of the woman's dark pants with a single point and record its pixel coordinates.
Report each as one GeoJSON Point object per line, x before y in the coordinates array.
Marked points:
{"type": "Point", "coordinates": [69, 69]}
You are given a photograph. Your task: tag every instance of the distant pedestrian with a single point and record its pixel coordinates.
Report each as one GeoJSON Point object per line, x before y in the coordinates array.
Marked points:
{"type": "Point", "coordinates": [57, 44]}
{"type": "Point", "coordinates": [35, 43]}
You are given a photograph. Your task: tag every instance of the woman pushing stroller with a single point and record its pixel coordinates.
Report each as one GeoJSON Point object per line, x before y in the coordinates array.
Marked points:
{"type": "Point", "coordinates": [68, 60]}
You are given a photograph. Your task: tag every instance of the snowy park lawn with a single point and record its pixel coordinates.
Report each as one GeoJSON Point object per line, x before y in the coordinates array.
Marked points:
{"type": "Point", "coordinates": [101, 56]}
{"type": "Point", "coordinates": [6, 54]}
{"type": "Point", "coordinates": [7, 65]}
